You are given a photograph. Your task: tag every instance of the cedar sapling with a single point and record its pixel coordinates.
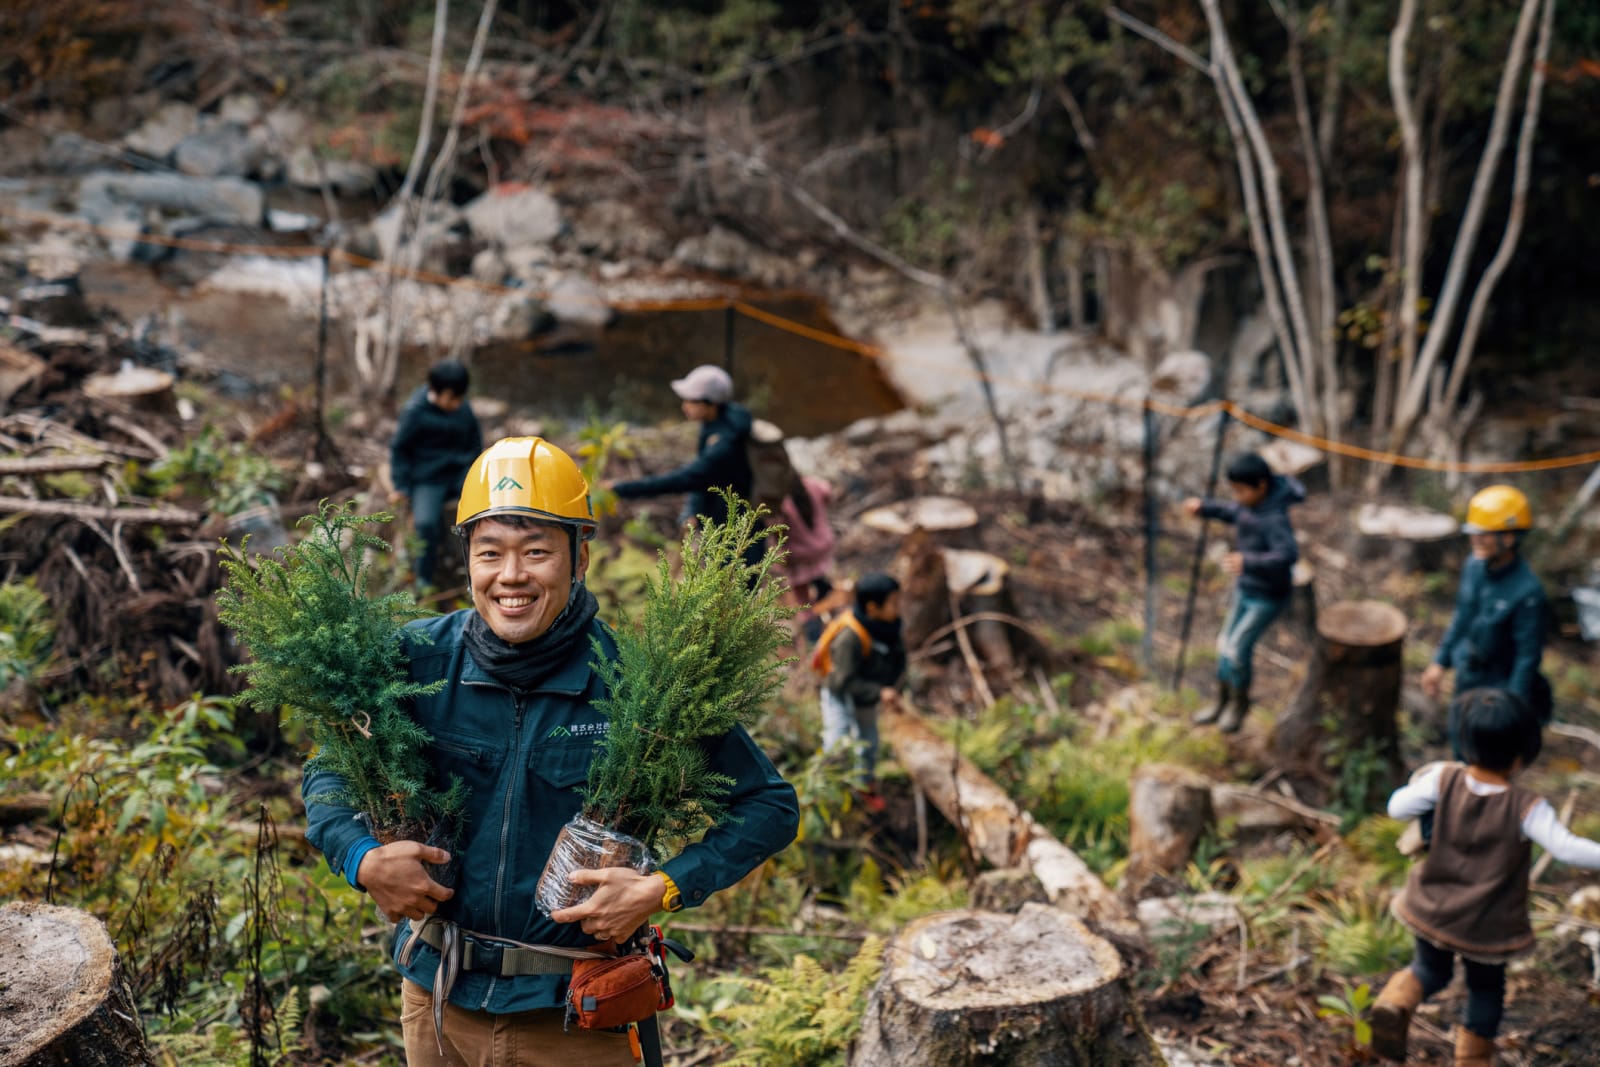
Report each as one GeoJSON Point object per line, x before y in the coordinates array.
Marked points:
{"type": "Point", "coordinates": [702, 659]}
{"type": "Point", "coordinates": [334, 658]}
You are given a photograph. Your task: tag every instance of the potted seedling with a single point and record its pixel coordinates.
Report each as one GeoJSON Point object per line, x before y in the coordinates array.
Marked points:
{"type": "Point", "coordinates": [702, 658]}
{"type": "Point", "coordinates": [331, 655]}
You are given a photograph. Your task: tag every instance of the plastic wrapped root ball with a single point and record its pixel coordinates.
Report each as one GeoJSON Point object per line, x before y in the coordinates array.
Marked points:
{"type": "Point", "coordinates": [584, 844]}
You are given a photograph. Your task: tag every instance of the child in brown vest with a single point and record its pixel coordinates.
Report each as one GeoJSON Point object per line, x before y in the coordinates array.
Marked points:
{"type": "Point", "coordinates": [1469, 896]}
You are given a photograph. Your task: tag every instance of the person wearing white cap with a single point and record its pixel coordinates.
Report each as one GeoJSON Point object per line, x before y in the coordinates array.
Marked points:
{"type": "Point", "coordinates": [722, 459]}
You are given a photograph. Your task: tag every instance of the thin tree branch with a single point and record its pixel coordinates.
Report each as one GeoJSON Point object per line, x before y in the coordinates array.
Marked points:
{"type": "Point", "coordinates": [1150, 33]}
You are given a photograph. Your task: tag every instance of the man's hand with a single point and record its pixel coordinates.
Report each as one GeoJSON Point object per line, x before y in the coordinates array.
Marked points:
{"type": "Point", "coordinates": [1433, 680]}
{"type": "Point", "coordinates": [1233, 563]}
{"type": "Point", "coordinates": [396, 498]}
{"type": "Point", "coordinates": [889, 697]}
{"type": "Point", "coordinates": [1192, 505]}
{"type": "Point", "coordinates": [624, 900]}
{"type": "Point", "coordinates": [393, 876]}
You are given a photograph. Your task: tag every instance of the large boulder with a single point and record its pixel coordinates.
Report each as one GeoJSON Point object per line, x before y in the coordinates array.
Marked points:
{"type": "Point", "coordinates": [105, 196]}
{"type": "Point", "coordinates": [579, 301]}
{"type": "Point", "coordinates": [346, 177]}
{"type": "Point", "coordinates": [513, 215]}
{"type": "Point", "coordinates": [159, 134]}
{"type": "Point", "coordinates": [221, 150]}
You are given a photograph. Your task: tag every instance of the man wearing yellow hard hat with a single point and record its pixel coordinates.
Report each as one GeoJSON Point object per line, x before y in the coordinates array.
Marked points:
{"type": "Point", "coordinates": [1496, 636]}
{"type": "Point", "coordinates": [516, 721]}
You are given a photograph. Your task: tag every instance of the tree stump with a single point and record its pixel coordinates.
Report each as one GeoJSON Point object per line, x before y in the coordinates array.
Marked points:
{"type": "Point", "coordinates": [1301, 617]}
{"type": "Point", "coordinates": [981, 987]}
{"type": "Point", "coordinates": [977, 581]}
{"type": "Point", "coordinates": [1354, 680]}
{"type": "Point", "coordinates": [1007, 889]}
{"type": "Point", "coordinates": [1415, 538]}
{"type": "Point", "coordinates": [63, 999]}
{"type": "Point", "coordinates": [139, 389]}
{"type": "Point", "coordinates": [928, 525]}
{"type": "Point", "coordinates": [1169, 808]}
{"type": "Point", "coordinates": [924, 589]}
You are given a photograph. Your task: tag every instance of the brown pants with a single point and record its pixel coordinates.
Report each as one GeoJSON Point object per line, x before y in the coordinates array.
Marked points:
{"type": "Point", "coordinates": [522, 1039]}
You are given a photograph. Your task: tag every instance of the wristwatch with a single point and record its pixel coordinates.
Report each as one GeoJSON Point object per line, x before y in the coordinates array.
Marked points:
{"type": "Point", "coordinates": [672, 899]}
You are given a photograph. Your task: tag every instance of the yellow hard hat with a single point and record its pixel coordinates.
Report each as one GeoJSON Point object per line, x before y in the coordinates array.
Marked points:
{"type": "Point", "coordinates": [1498, 508]}
{"type": "Point", "coordinates": [527, 476]}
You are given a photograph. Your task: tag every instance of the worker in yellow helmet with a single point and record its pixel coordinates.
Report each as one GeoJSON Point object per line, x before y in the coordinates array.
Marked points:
{"type": "Point", "coordinates": [1496, 637]}
{"type": "Point", "coordinates": [515, 720]}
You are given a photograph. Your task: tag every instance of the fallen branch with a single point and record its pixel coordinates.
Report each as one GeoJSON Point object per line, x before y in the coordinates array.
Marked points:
{"type": "Point", "coordinates": [1580, 733]}
{"type": "Point", "coordinates": [54, 464]}
{"type": "Point", "coordinates": [91, 513]}
{"type": "Point", "coordinates": [994, 827]}
{"type": "Point", "coordinates": [1305, 811]}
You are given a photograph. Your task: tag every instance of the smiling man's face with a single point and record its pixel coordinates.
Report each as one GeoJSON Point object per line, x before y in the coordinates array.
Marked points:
{"type": "Point", "coordinates": [521, 576]}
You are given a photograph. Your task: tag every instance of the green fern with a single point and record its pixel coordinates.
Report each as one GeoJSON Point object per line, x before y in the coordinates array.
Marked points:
{"type": "Point", "coordinates": [703, 659]}
{"type": "Point", "coordinates": [27, 632]}
{"type": "Point", "coordinates": [335, 657]}
{"type": "Point", "coordinates": [804, 1015]}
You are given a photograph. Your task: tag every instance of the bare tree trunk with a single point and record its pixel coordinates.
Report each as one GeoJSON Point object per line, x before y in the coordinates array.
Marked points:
{"type": "Point", "coordinates": [1072, 265]}
{"type": "Point", "coordinates": [1414, 394]}
{"type": "Point", "coordinates": [1519, 204]}
{"type": "Point", "coordinates": [1410, 259]}
{"type": "Point", "coordinates": [1333, 84]}
{"type": "Point", "coordinates": [378, 368]}
{"type": "Point", "coordinates": [1325, 300]}
{"type": "Point", "coordinates": [1038, 276]}
{"type": "Point", "coordinates": [1230, 81]}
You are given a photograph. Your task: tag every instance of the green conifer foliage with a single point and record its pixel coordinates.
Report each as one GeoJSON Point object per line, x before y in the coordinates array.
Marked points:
{"type": "Point", "coordinates": [703, 658]}
{"type": "Point", "coordinates": [333, 657]}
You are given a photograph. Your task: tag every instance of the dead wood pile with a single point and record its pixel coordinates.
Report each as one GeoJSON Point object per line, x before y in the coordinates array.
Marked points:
{"type": "Point", "coordinates": [129, 579]}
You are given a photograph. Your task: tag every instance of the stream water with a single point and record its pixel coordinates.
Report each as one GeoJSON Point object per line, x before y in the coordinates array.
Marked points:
{"type": "Point", "coordinates": [622, 371]}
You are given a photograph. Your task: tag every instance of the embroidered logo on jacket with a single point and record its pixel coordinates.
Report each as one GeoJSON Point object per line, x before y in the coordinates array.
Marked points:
{"type": "Point", "coordinates": [581, 729]}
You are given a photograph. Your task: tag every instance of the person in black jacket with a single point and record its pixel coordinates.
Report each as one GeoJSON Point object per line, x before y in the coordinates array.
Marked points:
{"type": "Point", "coordinates": [434, 445]}
{"type": "Point", "coordinates": [1263, 563]}
{"type": "Point", "coordinates": [722, 459]}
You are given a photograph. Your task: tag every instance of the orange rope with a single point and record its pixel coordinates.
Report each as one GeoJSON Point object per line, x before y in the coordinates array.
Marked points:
{"type": "Point", "coordinates": [863, 348]}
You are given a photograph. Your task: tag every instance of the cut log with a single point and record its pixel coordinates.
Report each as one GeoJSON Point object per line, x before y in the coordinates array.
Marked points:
{"type": "Point", "coordinates": [1414, 538]}
{"type": "Point", "coordinates": [1354, 681]}
{"type": "Point", "coordinates": [18, 808]}
{"type": "Point", "coordinates": [142, 389]}
{"type": "Point", "coordinates": [994, 827]}
{"type": "Point", "coordinates": [982, 987]}
{"type": "Point", "coordinates": [63, 999]}
{"type": "Point", "coordinates": [1169, 807]}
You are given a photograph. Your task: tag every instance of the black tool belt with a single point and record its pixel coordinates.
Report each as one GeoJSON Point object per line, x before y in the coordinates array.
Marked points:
{"type": "Point", "coordinates": [506, 959]}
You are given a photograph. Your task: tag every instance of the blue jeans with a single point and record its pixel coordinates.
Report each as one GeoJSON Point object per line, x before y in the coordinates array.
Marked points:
{"type": "Point", "coordinates": [1486, 985]}
{"type": "Point", "coordinates": [844, 721]}
{"type": "Point", "coordinates": [427, 512]}
{"type": "Point", "coordinates": [1248, 618]}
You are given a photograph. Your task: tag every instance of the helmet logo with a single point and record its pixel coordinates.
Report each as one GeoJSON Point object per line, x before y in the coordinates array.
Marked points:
{"type": "Point", "coordinates": [507, 482]}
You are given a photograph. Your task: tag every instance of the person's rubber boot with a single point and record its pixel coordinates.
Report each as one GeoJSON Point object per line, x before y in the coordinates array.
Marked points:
{"type": "Point", "coordinates": [1233, 716]}
{"type": "Point", "coordinates": [1391, 1014]}
{"type": "Point", "coordinates": [1207, 716]}
{"type": "Point", "coordinates": [1472, 1050]}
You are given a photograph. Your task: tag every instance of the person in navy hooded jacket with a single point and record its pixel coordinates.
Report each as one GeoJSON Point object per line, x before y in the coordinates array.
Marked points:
{"type": "Point", "coordinates": [1262, 561]}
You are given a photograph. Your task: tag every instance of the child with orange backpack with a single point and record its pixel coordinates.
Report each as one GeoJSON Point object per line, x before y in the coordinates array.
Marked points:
{"type": "Point", "coordinates": [861, 657]}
